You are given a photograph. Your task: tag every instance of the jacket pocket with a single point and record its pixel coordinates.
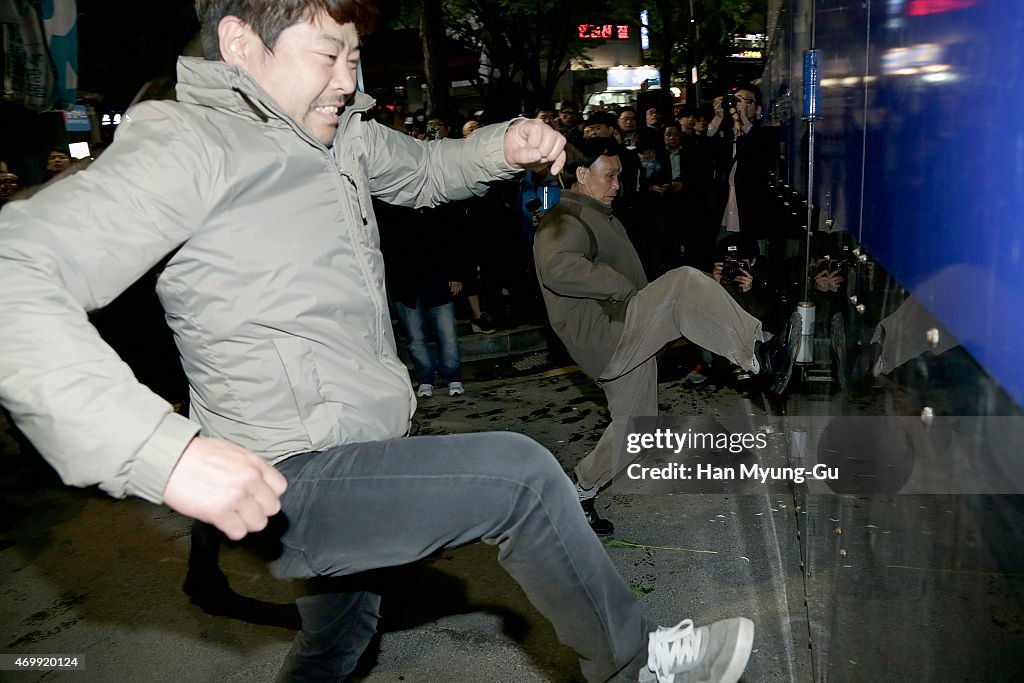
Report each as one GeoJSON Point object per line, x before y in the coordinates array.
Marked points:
{"type": "Point", "coordinates": [316, 413]}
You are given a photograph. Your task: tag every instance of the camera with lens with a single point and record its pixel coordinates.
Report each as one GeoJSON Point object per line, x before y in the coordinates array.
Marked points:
{"type": "Point", "coordinates": [733, 268]}
{"type": "Point", "coordinates": [729, 101]}
{"type": "Point", "coordinates": [831, 265]}
{"type": "Point", "coordinates": [432, 132]}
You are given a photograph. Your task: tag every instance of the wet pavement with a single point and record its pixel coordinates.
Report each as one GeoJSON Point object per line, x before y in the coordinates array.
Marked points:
{"type": "Point", "coordinates": [83, 574]}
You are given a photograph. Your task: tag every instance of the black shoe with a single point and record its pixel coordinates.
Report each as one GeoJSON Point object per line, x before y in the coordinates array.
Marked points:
{"type": "Point", "coordinates": [763, 354]}
{"type": "Point", "coordinates": [601, 526]}
{"type": "Point", "coordinates": [786, 355]}
{"type": "Point", "coordinates": [869, 358]}
{"type": "Point", "coordinates": [483, 324]}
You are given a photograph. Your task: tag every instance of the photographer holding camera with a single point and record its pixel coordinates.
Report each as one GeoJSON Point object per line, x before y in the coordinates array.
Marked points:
{"type": "Point", "coordinates": [745, 275]}
{"type": "Point", "coordinates": [829, 272]}
{"type": "Point", "coordinates": [746, 154]}
{"type": "Point", "coordinates": [437, 128]}
{"type": "Point", "coordinates": [743, 107]}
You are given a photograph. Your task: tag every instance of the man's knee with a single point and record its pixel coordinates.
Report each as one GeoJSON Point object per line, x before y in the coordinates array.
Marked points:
{"type": "Point", "coordinates": [524, 452]}
{"type": "Point", "coordinates": [680, 278]}
{"type": "Point", "coordinates": [689, 274]}
{"type": "Point", "coordinates": [526, 460]}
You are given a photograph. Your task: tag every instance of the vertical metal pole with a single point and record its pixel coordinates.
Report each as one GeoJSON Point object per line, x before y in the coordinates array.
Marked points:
{"type": "Point", "coordinates": [696, 55]}
{"type": "Point", "coordinates": [812, 113]}
{"type": "Point", "coordinates": [810, 201]}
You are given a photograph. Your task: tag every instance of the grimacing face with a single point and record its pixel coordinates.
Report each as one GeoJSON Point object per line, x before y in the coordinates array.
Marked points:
{"type": "Point", "coordinates": [601, 180]}
{"type": "Point", "coordinates": [311, 74]}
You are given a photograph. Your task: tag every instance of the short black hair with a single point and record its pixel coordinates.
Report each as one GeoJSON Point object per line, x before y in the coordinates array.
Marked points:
{"type": "Point", "coordinates": [268, 18]}
{"type": "Point", "coordinates": [443, 117]}
{"type": "Point", "coordinates": [601, 117]}
{"type": "Point", "coordinates": [751, 87]}
{"type": "Point", "coordinates": [585, 152]}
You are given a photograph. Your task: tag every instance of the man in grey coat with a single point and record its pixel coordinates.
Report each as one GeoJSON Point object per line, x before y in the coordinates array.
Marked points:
{"type": "Point", "coordinates": [612, 320]}
{"type": "Point", "coordinates": [257, 183]}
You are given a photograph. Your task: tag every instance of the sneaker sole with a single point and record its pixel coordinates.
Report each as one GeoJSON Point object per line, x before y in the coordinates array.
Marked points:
{"type": "Point", "coordinates": [741, 653]}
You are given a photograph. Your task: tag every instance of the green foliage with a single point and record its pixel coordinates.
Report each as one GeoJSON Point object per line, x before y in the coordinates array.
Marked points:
{"type": "Point", "coordinates": [528, 44]}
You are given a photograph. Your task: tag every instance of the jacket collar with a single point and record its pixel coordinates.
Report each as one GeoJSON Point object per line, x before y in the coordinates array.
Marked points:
{"type": "Point", "coordinates": [223, 86]}
{"type": "Point", "coordinates": [587, 201]}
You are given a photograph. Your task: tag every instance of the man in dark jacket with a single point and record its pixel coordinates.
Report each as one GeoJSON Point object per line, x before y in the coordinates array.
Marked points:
{"type": "Point", "coordinates": [746, 155]}
{"type": "Point", "coordinates": [611, 320]}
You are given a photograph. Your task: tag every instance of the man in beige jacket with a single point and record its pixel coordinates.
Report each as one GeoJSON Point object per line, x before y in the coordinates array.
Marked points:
{"type": "Point", "coordinates": [612, 320]}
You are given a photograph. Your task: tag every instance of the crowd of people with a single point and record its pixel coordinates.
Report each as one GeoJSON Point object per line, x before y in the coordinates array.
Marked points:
{"type": "Point", "coordinates": [687, 176]}
{"type": "Point", "coordinates": [694, 185]}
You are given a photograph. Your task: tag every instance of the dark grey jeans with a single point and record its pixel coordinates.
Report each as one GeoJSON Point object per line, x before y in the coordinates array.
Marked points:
{"type": "Point", "coordinates": [380, 504]}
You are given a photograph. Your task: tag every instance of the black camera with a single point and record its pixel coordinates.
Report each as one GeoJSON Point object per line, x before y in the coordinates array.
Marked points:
{"type": "Point", "coordinates": [729, 101]}
{"type": "Point", "coordinates": [432, 132]}
{"type": "Point", "coordinates": [733, 268]}
{"type": "Point", "coordinates": [831, 265]}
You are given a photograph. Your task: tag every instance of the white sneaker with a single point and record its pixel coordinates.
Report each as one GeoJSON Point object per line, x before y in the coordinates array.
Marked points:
{"type": "Point", "coordinates": [456, 389]}
{"type": "Point", "coordinates": [425, 391]}
{"type": "Point", "coordinates": [717, 653]}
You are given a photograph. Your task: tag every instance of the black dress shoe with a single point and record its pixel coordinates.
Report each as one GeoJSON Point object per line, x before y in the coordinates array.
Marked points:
{"type": "Point", "coordinates": [601, 526]}
{"type": "Point", "coordinates": [869, 359]}
{"type": "Point", "coordinates": [786, 356]}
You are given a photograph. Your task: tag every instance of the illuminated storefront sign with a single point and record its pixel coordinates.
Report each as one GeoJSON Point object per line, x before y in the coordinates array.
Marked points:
{"type": "Point", "coordinates": [633, 78]}
{"type": "Point", "coordinates": [604, 31]}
